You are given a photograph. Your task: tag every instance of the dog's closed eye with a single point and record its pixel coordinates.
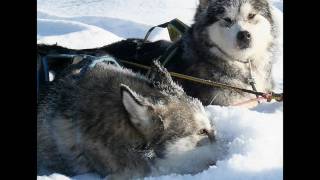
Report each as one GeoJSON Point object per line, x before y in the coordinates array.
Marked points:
{"type": "Point", "coordinates": [251, 16]}
{"type": "Point", "coordinates": [203, 132]}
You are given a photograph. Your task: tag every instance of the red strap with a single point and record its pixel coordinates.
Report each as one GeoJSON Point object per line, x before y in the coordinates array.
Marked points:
{"type": "Point", "coordinates": [248, 101]}
{"type": "Point", "coordinates": [268, 96]}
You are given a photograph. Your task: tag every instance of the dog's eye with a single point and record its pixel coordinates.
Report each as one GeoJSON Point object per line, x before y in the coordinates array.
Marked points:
{"type": "Point", "coordinates": [251, 16]}
{"type": "Point", "coordinates": [203, 132]}
{"type": "Point", "coordinates": [228, 20]}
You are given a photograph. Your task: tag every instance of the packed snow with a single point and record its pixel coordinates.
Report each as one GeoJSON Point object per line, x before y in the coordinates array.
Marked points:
{"type": "Point", "coordinates": [250, 141]}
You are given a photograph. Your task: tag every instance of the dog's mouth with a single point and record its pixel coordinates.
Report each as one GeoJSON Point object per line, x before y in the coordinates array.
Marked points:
{"type": "Point", "coordinates": [243, 46]}
{"type": "Point", "coordinates": [228, 55]}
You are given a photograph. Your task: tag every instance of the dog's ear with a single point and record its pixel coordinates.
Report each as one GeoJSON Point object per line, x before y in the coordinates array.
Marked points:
{"type": "Point", "coordinates": [140, 113]}
{"type": "Point", "coordinates": [159, 74]}
{"type": "Point", "coordinates": [202, 8]}
{"type": "Point", "coordinates": [162, 80]}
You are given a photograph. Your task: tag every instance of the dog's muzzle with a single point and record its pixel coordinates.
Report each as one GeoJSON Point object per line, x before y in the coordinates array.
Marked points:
{"type": "Point", "coordinates": [243, 39]}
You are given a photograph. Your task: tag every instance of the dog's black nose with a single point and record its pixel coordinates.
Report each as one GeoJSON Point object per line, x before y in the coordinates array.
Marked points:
{"type": "Point", "coordinates": [244, 35]}
{"type": "Point", "coordinates": [244, 39]}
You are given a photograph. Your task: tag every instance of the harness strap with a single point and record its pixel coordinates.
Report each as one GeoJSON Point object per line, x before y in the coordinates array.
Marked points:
{"type": "Point", "coordinates": [80, 61]}
{"type": "Point", "coordinates": [167, 56]}
{"type": "Point", "coordinates": [176, 29]}
{"type": "Point", "coordinates": [214, 97]}
{"type": "Point", "coordinates": [38, 73]}
{"type": "Point", "coordinates": [268, 96]}
{"type": "Point", "coordinates": [251, 78]}
{"type": "Point", "coordinates": [248, 101]}
{"type": "Point", "coordinates": [164, 25]}
{"type": "Point", "coordinates": [45, 68]}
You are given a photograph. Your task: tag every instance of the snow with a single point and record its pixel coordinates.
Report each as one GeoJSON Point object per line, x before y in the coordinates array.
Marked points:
{"type": "Point", "coordinates": [250, 141]}
{"type": "Point", "coordinates": [73, 34]}
{"type": "Point", "coordinates": [142, 11]}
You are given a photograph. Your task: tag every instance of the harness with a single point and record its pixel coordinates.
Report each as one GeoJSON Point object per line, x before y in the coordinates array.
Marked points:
{"type": "Point", "coordinates": [176, 29]}
{"type": "Point", "coordinates": [81, 61]}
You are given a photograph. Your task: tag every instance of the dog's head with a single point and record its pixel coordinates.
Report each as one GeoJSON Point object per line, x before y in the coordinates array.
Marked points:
{"type": "Point", "coordinates": [235, 28]}
{"type": "Point", "coordinates": [174, 123]}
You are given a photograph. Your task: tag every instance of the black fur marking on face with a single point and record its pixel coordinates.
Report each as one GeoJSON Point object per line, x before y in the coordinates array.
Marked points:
{"type": "Point", "coordinates": [228, 20]}
{"type": "Point", "coordinates": [263, 7]}
{"type": "Point", "coordinates": [251, 16]}
{"type": "Point", "coordinates": [213, 13]}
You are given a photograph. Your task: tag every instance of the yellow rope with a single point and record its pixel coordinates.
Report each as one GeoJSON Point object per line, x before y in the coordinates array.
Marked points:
{"type": "Point", "coordinates": [275, 96]}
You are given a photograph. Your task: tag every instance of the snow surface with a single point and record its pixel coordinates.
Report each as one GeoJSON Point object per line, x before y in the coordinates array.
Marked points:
{"type": "Point", "coordinates": [250, 141]}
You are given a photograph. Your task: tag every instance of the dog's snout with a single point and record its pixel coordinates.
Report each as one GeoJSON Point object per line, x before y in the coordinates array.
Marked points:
{"type": "Point", "coordinates": [244, 39]}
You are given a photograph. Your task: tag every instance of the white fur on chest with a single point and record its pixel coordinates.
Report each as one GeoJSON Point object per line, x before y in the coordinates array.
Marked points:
{"type": "Point", "coordinates": [259, 70]}
{"type": "Point", "coordinates": [258, 73]}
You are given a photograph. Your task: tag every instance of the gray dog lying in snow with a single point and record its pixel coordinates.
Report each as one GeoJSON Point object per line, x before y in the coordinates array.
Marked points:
{"type": "Point", "coordinates": [114, 122]}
